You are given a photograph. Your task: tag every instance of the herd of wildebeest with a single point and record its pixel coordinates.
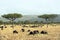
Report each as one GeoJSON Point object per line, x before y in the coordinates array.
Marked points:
{"type": "Point", "coordinates": [23, 30]}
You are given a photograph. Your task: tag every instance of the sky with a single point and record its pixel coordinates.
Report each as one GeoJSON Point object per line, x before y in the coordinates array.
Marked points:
{"type": "Point", "coordinates": [30, 7]}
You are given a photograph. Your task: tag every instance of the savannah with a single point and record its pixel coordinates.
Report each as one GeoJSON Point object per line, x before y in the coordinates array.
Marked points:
{"type": "Point", "coordinates": [27, 30]}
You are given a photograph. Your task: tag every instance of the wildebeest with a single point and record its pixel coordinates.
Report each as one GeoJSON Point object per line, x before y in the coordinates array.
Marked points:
{"type": "Point", "coordinates": [22, 30]}
{"type": "Point", "coordinates": [44, 32]}
{"type": "Point", "coordinates": [15, 32]}
{"type": "Point", "coordinates": [36, 31]}
{"type": "Point", "coordinates": [33, 32]}
{"type": "Point", "coordinates": [1, 27]}
{"type": "Point", "coordinates": [5, 26]}
{"type": "Point", "coordinates": [28, 31]}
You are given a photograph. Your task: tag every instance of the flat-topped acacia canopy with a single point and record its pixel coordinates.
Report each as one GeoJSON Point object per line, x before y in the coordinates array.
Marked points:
{"type": "Point", "coordinates": [47, 16]}
{"type": "Point", "coordinates": [12, 16]}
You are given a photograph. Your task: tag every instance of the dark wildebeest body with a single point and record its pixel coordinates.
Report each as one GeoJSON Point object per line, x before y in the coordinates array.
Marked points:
{"type": "Point", "coordinates": [34, 26]}
{"type": "Point", "coordinates": [15, 32]}
{"type": "Point", "coordinates": [44, 32]}
{"type": "Point", "coordinates": [1, 27]}
{"type": "Point", "coordinates": [28, 31]}
{"type": "Point", "coordinates": [34, 32]}
{"type": "Point", "coordinates": [31, 33]}
{"type": "Point", "coordinates": [5, 26]}
{"type": "Point", "coordinates": [23, 30]}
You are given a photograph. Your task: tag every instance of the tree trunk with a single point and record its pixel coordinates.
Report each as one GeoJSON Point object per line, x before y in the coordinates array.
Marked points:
{"type": "Point", "coordinates": [47, 22]}
{"type": "Point", "coordinates": [12, 24]}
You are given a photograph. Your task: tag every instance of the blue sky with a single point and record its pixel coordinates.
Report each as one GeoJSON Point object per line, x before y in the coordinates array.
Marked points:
{"type": "Point", "coordinates": [30, 7]}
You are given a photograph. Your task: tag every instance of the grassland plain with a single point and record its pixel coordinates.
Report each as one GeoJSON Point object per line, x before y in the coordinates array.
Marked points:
{"type": "Point", "coordinates": [53, 33]}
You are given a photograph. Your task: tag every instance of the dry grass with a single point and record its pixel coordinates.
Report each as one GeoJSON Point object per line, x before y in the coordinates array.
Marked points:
{"type": "Point", "coordinates": [53, 33]}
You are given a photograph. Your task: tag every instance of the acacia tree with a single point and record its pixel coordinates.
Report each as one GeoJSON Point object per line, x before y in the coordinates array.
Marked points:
{"type": "Point", "coordinates": [53, 16]}
{"type": "Point", "coordinates": [12, 16]}
{"type": "Point", "coordinates": [1, 22]}
{"type": "Point", "coordinates": [47, 17]}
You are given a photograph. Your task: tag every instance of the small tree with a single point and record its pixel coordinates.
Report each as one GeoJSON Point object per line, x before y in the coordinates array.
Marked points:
{"type": "Point", "coordinates": [53, 16]}
{"type": "Point", "coordinates": [1, 22]}
{"type": "Point", "coordinates": [48, 17]}
{"type": "Point", "coordinates": [12, 16]}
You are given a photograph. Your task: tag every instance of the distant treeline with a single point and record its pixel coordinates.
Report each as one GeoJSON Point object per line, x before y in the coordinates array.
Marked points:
{"type": "Point", "coordinates": [13, 16]}
{"type": "Point", "coordinates": [26, 22]}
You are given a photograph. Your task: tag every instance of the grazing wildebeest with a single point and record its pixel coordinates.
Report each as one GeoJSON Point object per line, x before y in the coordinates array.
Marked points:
{"type": "Point", "coordinates": [44, 32]}
{"type": "Point", "coordinates": [28, 31]}
{"type": "Point", "coordinates": [1, 27]}
{"type": "Point", "coordinates": [15, 32]}
{"type": "Point", "coordinates": [31, 33]}
{"type": "Point", "coordinates": [36, 31]}
{"type": "Point", "coordinates": [5, 26]}
{"type": "Point", "coordinates": [34, 26]}
{"type": "Point", "coordinates": [22, 30]}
